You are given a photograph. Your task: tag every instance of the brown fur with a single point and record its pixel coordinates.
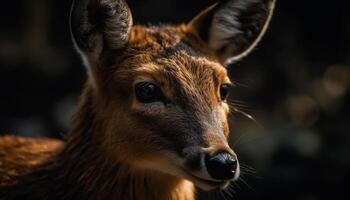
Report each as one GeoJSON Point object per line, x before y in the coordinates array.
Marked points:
{"type": "Point", "coordinates": [19, 156]}
{"type": "Point", "coordinates": [118, 147]}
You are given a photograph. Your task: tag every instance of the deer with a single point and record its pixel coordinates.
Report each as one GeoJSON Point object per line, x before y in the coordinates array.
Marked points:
{"type": "Point", "coordinates": [152, 120]}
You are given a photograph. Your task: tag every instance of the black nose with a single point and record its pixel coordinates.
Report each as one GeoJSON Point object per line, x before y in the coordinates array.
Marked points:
{"type": "Point", "coordinates": [222, 166]}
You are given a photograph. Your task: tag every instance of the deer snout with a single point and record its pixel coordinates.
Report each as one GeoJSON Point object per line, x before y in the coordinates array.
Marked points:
{"type": "Point", "coordinates": [222, 166]}
{"type": "Point", "coordinates": [213, 164]}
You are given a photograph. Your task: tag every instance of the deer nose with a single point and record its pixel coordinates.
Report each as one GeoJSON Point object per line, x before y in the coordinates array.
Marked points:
{"type": "Point", "coordinates": [222, 166]}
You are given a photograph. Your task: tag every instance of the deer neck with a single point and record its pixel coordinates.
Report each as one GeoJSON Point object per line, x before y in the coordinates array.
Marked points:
{"type": "Point", "coordinates": [97, 178]}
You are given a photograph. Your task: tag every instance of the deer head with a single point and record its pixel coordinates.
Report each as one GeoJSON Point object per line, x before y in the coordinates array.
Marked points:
{"type": "Point", "coordinates": [161, 92]}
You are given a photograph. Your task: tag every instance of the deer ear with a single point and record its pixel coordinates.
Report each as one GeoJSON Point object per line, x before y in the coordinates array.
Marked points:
{"type": "Point", "coordinates": [99, 26]}
{"type": "Point", "coordinates": [232, 28]}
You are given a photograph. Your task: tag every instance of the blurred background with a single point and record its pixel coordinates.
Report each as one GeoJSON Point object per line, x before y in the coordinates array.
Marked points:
{"type": "Point", "coordinates": [295, 85]}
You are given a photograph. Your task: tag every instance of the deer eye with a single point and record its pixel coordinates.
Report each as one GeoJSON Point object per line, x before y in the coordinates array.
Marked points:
{"type": "Point", "coordinates": [224, 92]}
{"type": "Point", "coordinates": [147, 92]}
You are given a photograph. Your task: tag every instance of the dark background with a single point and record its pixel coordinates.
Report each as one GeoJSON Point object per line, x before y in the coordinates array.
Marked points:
{"type": "Point", "coordinates": [295, 84]}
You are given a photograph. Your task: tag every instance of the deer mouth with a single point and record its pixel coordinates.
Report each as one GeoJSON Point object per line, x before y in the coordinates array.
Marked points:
{"type": "Point", "coordinates": [204, 183]}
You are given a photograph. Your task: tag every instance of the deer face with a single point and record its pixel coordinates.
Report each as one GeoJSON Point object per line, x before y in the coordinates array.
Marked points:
{"type": "Point", "coordinates": [161, 92]}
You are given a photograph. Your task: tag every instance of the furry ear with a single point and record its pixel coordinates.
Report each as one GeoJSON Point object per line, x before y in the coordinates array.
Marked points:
{"type": "Point", "coordinates": [99, 26]}
{"type": "Point", "coordinates": [232, 28]}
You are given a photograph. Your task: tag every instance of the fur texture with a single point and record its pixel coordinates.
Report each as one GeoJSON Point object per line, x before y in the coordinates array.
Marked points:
{"type": "Point", "coordinates": [119, 147]}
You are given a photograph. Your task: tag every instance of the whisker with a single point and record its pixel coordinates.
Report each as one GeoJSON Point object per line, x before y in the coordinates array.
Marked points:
{"type": "Point", "coordinates": [245, 183]}
{"type": "Point", "coordinates": [231, 191]}
{"type": "Point", "coordinates": [217, 195]}
{"type": "Point", "coordinates": [236, 185]}
{"type": "Point", "coordinates": [246, 169]}
{"type": "Point", "coordinates": [250, 117]}
{"type": "Point", "coordinates": [235, 144]}
{"type": "Point", "coordinates": [238, 103]}
{"type": "Point", "coordinates": [234, 106]}
{"type": "Point", "coordinates": [223, 195]}
{"type": "Point", "coordinates": [239, 84]}
{"type": "Point", "coordinates": [228, 193]}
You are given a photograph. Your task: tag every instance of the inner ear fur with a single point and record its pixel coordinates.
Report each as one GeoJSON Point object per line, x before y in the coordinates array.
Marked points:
{"type": "Point", "coordinates": [233, 28]}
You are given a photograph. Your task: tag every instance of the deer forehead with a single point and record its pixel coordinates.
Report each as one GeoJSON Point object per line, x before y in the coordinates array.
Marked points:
{"type": "Point", "coordinates": [168, 53]}
{"type": "Point", "coordinates": [156, 38]}
{"type": "Point", "coordinates": [166, 57]}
